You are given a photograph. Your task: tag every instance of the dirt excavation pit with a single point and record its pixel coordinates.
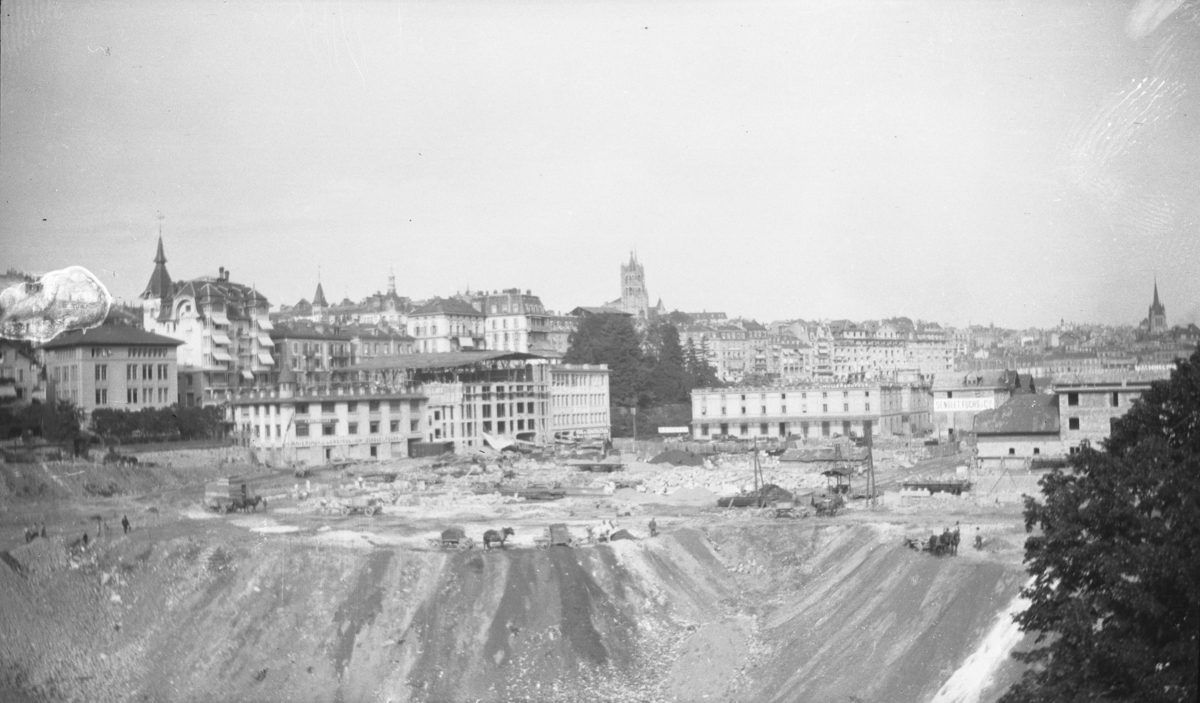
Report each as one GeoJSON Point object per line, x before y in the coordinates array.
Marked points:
{"type": "Point", "coordinates": [296, 604]}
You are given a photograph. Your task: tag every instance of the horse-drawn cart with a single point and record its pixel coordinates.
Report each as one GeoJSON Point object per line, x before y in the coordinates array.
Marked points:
{"type": "Point", "coordinates": [827, 505]}
{"type": "Point", "coordinates": [230, 493]}
{"type": "Point", "coordinates": [453, 538]}
{"type": "Point", "coordinates": [556, 535]}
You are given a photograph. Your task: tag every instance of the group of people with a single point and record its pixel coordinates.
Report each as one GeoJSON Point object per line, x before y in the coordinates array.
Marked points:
{"type": "Point", "coordinates": [946, 543]}
{"type": "Point", "coordinates": [34, 531]}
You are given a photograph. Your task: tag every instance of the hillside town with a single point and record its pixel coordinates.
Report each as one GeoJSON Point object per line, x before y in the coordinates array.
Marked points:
{"type": "Point", "coordinates": [389, 376]}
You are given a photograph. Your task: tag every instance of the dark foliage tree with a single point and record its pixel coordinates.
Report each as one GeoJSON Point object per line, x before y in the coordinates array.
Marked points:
{"type": "Point", "coordinates": [1032, 389]}
{"type": "Point", "coordinates": [678, 318]}
{"type": "Point", "coordinates": [155, 424]}
{"type": "Point", "coordinates": [59, 421]}
{"type": "Point", "coordinates": [1115, 597]}
{"type": "Point", "coordinates": [612, 340]}
{"type": "Point", "coordinates": [669, 380]}
{"type": "Point", "coordinates": [701, 371]}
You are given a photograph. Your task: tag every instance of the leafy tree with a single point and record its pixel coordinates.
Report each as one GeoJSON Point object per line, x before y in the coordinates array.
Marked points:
{"type": "Point", "coordinates": [54, 422]}
{"type": "Point", "coordinates": [669, 380]}
{"type": "Point", "coordinates": [1115, 597]}
{"type": "Point", "coordinates": [703, 374]}
{"type": "Point", "coordinates": [612, 340]}
{"type": "Point", "coordinates": [1032, 389]}
{"type": "Point", "coordinates": [678, 318]}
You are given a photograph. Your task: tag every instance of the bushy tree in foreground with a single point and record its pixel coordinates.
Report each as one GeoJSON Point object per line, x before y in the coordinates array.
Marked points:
{"type": "Point", "coordinates": [1115, 597]}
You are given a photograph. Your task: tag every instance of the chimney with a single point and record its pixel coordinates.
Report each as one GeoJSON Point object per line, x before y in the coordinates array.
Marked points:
{"type": "Point", "coordinates": [221, 273]}
{"type": "Point", "coordinates": [226, 279]}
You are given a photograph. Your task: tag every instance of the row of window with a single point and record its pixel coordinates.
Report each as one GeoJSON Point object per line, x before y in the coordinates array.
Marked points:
{"type": "Point", "coordinates": [146, 372]}
{"type": "Point", "coordinates": [566, 401]}
{"type": "Point", "coordinates": [329, 429]}
{"type": "Point", "coordinates": [765, 429]}
{"type": "Point", "coordinates": [137, 396]}
{"type": "Point", "coordinates": [783, 409]}
{"type": "Point", "coordinates": [352, 406]}
{"type": "Point", "coordinates": [564, 419]}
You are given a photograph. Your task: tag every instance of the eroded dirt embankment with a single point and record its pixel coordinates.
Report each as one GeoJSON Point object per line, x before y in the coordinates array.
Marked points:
{"type": "Point", "coordinates": [803, 611]}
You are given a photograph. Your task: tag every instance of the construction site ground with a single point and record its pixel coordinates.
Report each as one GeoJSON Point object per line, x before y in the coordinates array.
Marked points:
{"type": "Point", "coordinates": [302, 601]}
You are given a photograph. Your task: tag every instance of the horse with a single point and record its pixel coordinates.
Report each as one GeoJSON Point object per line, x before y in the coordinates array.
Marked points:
{"type": "Point", "coordinates": [955, 538]}
{"type": "Point", "coordinates": [497, 536]}
{"type": "Point", "coordinates": [251, 504]}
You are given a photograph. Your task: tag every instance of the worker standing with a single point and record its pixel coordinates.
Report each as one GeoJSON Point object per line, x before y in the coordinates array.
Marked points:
{"type": "Point", "coordinates": [653, 528]}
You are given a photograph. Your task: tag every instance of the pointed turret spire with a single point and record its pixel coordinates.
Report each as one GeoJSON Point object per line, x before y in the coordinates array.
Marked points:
{"type": "Point", "coordinates": [160, 281]}
{"type": "Point", "coordinates": [1156, 303]}
{"type": "Point", "coordinates": [319, 297]}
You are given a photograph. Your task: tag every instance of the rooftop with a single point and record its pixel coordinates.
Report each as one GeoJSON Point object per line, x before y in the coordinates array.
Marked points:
{"type": "Point", "coordinates": [110, 335]}
{"type": "Point", "coordinates": [1032, 413]}
{"type": "Point", "coordinates": [443, 360]}
{"type": "Point", "coordinates": [447, 306]}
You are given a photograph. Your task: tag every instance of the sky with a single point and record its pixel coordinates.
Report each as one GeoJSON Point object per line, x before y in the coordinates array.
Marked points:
{"type": "Point", "coordinates": [1013, 162]}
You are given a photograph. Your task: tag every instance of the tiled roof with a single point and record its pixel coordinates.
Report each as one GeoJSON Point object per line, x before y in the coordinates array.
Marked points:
{"type": "Point", "coordinates": [447, 306]}
{"type": "Point", "coordinates": [110, 335]}
{"type": "Point", "coordinates": [603, 310]}
{"type": "Point", "coordinates": [1032, 413]}
{"type": "Point", "coordinates": [443, 360]}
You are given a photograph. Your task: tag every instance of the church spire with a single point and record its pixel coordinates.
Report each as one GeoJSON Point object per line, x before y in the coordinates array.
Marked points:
{"type": "Point", "coordinates": [160, 281]}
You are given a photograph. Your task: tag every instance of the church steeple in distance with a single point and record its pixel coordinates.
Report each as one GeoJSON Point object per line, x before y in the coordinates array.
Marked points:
{"type": "Point", "coordinates": [160, 281]}
{"type": "Point", "coordinates": [1157, 319]}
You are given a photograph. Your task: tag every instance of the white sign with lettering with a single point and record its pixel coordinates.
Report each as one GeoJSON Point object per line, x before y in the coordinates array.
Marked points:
{"type": "Point", "coordinates": [955, 405]}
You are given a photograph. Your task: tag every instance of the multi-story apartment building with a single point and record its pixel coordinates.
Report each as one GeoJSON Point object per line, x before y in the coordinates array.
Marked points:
{"type": "Point", "coordinates": [112, 367]}
{"type": "Point", "coordinates": [21, 379]}
{"type": "Point", "coordinates": [224, 328]}
{"type": "Point", "coordinates": [818, 410]}
{"type": "Point", "coordinates": [500, 394]}
{"type": "Point", "coordinates": [579, 401]}
{"type": "Point", "coordinates": [318, 355]}
{"type": "Point", "coordinates": [517, 322]}
{"type": "Point", "coordinates": [446, 325]}
{"type": "Point", "coordinates": [367, 341]}
{"type": "Point", "coordinates": [301, 426]}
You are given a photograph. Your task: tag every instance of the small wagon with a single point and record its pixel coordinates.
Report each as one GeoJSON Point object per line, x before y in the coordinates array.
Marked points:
{"type": "Point", "coordinates": [453, 538]}
{"type": "Point", "coordinates": [828, 506]}
{"type": "Point", "coordinates": [360, 505]}
{"type": "Point", "coordinates": [557, 535]}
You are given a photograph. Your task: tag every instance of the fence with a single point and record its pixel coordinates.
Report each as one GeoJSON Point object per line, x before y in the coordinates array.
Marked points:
{"type": "Point", "coordinates": [172, 446]}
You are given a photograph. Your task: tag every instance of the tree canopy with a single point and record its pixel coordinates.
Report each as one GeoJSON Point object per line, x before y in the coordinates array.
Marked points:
{"type": "Point", "coordinates": [1115, 596]}
{"type": "Point", "coordinates": [612, 340]}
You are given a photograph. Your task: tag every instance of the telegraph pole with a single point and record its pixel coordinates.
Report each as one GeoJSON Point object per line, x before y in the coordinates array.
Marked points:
{"type": "Point", "coordinates": [870, 462]}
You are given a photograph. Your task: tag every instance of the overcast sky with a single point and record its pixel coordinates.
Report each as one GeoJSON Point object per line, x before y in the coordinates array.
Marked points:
{"type": "Point", "coordinates": [1011, 162]}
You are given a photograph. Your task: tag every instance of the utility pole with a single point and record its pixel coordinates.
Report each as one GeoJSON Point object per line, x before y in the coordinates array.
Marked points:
{"type": "Point", "coordinates": [870, 462]}
{"type": "Point", "coordinates": [758, 483]}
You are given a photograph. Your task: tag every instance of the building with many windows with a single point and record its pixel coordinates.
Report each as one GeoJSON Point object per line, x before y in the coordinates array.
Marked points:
{"type": "Point", "coordinates": [813, 411]}
{"type": "Point", "coordinates": [291, 425]}
{"type": "Point", "coordinates": [318, 355]}
{"type": "Point", "coordinates": [112, 367]}
{"type": "Point", "coordinates": [446, 325]}
{"type": "Point", "coordinates": [507, 395]}
{"type": "Point", "coordinates": [224, 328]}
{"type": "Point", "coordinates": [21, 379]}
{"type": "Point", "coordinates": [516, 321]}
{"type": "Point", "coordinates": [579, 402]}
